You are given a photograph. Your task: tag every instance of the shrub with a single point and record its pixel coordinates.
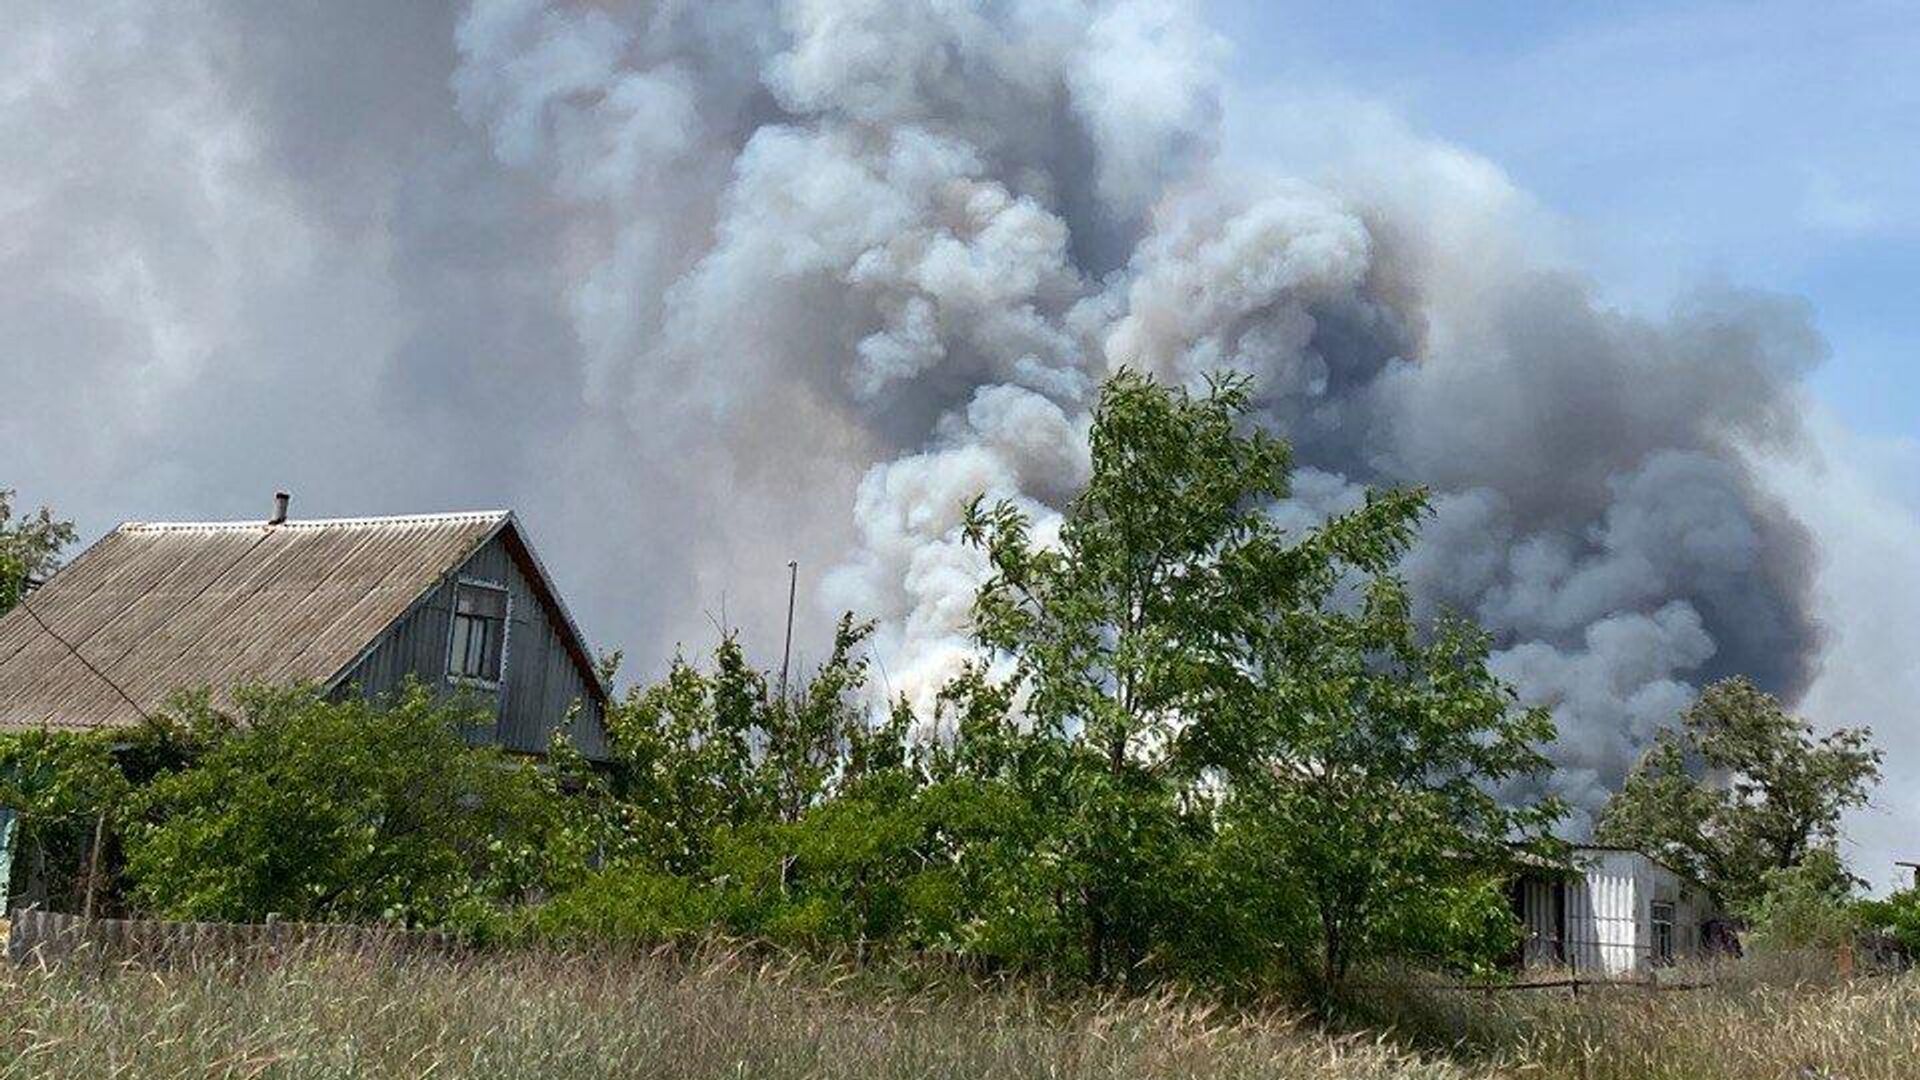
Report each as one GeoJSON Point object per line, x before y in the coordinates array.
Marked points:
{"type": "Point", "coordinates": [1805, 907]}
{"type": "Point", "coordinates": [342, 811]}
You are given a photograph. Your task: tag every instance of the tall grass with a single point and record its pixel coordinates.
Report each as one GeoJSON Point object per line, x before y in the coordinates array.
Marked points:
{"type": "Point", "coordinates": [717, 1016]}
{"type": "Point", "coordinates": [730, 1015]}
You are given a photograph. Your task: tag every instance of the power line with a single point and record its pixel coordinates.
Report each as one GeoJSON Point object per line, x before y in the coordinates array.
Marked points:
{"type": "Point", "coordinates": [88, 664]}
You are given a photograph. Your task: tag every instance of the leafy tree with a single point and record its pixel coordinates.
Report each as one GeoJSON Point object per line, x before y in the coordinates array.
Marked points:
{"type": "Point", "coordinates": [60, 785]}
{"type": "Point", "coordinates": [1363, 785]}
{"type": "Point", "coordinates": [1897, 915]}
{"type": "Point", "coordinates": [1741, 789]}
{"type": "Point", "coordinates": [341, 811]}
{"type": "Point", "coordinates": [29, 549]}
{"type": "Point", "coordinates": [1176, 648]}
{"type": "Point", "coordinates": [699, 752]}
{"type": "Point", "coordinates": [1121, 637]}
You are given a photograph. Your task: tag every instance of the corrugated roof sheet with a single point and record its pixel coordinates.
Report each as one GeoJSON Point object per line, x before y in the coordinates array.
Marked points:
{"type": "Point", "coordinates": [161, 607]}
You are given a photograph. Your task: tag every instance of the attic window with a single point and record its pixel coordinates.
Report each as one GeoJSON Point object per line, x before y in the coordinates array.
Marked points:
{"type": "Point", "coordinates": [479, 633]}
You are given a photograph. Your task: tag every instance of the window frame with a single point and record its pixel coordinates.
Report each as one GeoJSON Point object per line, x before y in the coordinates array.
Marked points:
{"type": "Point", "coordinates": [1663, 950]}
{"type": "Point", "coordinates": [454, 676]}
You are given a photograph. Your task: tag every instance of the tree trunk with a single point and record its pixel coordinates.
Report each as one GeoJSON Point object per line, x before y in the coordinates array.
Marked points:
{"type": "Point", "coordinates": [1096, 940]}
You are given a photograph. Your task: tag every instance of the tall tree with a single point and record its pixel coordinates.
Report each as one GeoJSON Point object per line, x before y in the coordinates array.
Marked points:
{"type": "Point", "coordinates": [29, 549]}
{"type": "Point", "coordinates": [1742, 789]}
{"type": "Point", "coordinates": [1364, 794]}
{"type": "Point", "coordinates": [1177, 645]}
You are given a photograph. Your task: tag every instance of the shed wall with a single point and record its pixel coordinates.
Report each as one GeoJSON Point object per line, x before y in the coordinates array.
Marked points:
{"type": "Point", "coordinates": [1603, 927]}
{"type": "Point", "coordinates": [1599, 921]}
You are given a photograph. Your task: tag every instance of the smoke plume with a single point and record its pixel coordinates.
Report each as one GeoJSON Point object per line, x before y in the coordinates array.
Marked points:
{"type": "Point", "coordinates": [702, 287]}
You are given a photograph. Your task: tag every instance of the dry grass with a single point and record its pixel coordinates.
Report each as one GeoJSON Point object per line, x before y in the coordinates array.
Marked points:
{"type": "Point", "coordinates": [1775, 1018]}
{"type": "Point", "coordinates": [534, 1017]}
{"type": "Point", "coordinates": [526, 1016]}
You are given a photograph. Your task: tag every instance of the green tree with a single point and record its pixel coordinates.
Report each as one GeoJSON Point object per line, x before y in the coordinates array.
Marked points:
{"type": "Point", "coordinates": [1176, 648]}
{"type": "Point", "coordinates": [29, 549]}
{"type": "Point", "coordinates": [1364, 784]}
{"type": "Point", "coordinates": [342, 811]}
{"type": "Point", "coordinates": [62, 786]}
{"type": "Point", "coordinates": [1897, 915]}
{"type": "Point", "coordinates": [1743, 788]}
{"type": "Point", "coordinates": [1806, 906]}
{"type": "Point", "coordinates": [702, 751]}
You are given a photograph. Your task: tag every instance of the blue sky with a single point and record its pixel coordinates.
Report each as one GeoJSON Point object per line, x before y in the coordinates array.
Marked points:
{"type": "Point", "coordinates": [1764, 144]}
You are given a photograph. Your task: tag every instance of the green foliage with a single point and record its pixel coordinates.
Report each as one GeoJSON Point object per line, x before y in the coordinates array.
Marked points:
{"type": "Point", "coordinates": [626, 906]}
{"type": "Point", "coordinates": [1366, 764]}
{"type": "Point", "coordinates": [701, 751]}
{"type": "Point", "coordinates": [1193, 746]}
{"type": "Point", "coordinates": [1743, 789]}
{"type": "Point", "coordinates": [29, 549]}
{"type": "Point", "coordinates": [340, 811]}
{"type": "Point", "coordinates": [1805, 906]}
{"type": "Point", "coordinates": [1207, 704]}
{"type": "Point", "coordinates": [61, 786]}
{"type": "Point", "coordinates": [1898, 916]}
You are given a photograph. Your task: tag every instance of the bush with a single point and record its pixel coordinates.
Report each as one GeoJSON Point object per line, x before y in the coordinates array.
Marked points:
{"type": "Point", "coordinates": [1805, 907]}
{"type": "Point", "coordinates": [1897, 916]}
{"type": "Point", "coordinates": [624, 907]}
{"type": "Point", "coordinates": [343, 811]}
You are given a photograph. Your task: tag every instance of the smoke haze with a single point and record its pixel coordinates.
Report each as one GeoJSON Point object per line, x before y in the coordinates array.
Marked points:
{"type": "Point", "coordinates": [701, 287]}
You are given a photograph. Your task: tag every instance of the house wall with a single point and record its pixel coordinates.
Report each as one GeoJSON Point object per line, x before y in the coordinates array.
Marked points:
{"type": "Point", "coordinates": [1691, 908]}
{"type": "Point", "coordinates": [540, 681]}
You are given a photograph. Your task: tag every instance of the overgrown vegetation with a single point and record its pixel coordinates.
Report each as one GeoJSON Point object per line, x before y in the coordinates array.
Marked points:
{"type": "Point", "coordinates": [325, 811]}
{"type": "Point", "coordinates": [1193, 749]}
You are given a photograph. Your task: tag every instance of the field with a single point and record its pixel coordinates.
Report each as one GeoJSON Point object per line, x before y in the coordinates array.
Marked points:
{"type": "Point", "coordinates": [725, 1015]}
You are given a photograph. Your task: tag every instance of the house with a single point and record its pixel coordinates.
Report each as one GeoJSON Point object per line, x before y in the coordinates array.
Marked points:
{"type": "Point", "coordinates": [356, 606]}
{"type": "Point", "coordinates": [1616, 913]}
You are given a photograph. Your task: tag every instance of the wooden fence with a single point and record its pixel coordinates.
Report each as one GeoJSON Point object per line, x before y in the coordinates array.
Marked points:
{"type": "Point", "coordinates": [48, 937]}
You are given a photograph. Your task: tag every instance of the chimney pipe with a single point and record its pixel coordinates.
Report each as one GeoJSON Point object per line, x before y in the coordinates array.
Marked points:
{"type": "Point", "coordinates": [280, 502]}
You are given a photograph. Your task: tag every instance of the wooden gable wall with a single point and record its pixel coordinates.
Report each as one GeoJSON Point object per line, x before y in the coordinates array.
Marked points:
{"type": "Point", "coordinates": [540, 682]}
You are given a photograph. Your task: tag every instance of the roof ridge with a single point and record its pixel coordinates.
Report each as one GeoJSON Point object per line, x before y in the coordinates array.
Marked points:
{"type": "Point", "coordinates": [314, 523]}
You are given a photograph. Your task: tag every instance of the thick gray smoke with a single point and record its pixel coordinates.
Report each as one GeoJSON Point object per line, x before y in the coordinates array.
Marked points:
{"type": "Point", "coordinates": [704, 286]}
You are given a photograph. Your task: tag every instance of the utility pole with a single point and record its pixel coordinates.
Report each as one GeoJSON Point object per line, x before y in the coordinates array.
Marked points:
{"type": "Point", "coordinates": [786, 654]}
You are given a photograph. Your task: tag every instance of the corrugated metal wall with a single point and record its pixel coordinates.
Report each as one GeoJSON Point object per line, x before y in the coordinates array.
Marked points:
{"type": "Point", "coordinates": [540, 683]}
{"type": "Point", "coordinates": [1600, 921]}
{"type": "Point", "coordinates": [1541, 914]}
{"type": "Point", "coordinates": [1603, 928]}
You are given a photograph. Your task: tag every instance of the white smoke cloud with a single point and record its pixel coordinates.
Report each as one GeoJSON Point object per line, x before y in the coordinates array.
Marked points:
{"type": "Point", "coordinates": [704, 287]}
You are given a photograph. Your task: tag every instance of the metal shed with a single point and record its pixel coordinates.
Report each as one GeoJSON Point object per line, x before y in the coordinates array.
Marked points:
{"type": "Point", "coordinates": [1617, 912]}
{"type": "Point", "coordinates": [458, 601]}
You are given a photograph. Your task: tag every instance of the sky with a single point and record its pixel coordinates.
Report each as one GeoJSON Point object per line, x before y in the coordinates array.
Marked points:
{"type": "Point", "coordinates": [1773, 144]}
{"type": "Point", "coordinates": [698, 289]}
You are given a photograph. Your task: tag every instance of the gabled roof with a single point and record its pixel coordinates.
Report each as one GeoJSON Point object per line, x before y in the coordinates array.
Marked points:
{"type": "Point", "coordinates": [153, 608]}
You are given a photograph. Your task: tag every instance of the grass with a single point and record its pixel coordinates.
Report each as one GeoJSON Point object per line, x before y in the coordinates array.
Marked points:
{"type": "Point", "coordinates": [726, 1015]}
